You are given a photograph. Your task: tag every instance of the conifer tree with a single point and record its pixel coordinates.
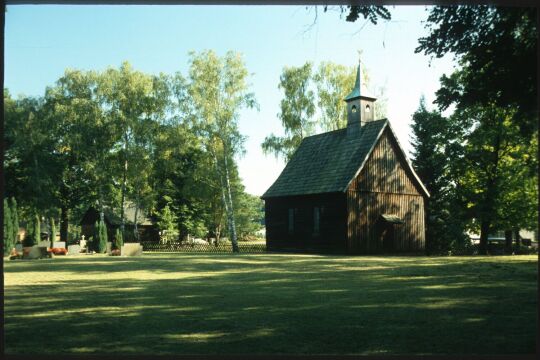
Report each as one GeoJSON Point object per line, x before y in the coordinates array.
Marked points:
{"type": "Point", "coordinates": [37, 230]}
{"type": "Point", "coordinates": [102, 237]}
{"type": "Point", "coordinates": [119, 241]}
{"type": "Point", "coordinates": [53, 232]}
{"type": "Point", "coordinates": [95, 237]}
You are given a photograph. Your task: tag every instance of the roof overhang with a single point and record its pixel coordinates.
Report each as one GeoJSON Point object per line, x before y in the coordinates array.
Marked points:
{"type": "Point", "coordinates": [392, 219]}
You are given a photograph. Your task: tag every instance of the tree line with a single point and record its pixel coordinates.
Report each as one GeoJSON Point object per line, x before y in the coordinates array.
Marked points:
{"type": "Point", "coordinates": [167, 143]}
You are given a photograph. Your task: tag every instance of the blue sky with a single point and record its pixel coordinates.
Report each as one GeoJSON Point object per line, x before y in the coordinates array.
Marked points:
{"type": "Point", "coordinates": [41, 41]}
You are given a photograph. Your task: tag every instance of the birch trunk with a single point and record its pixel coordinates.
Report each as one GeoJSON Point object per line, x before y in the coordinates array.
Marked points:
{"type": "Point", "coordinates": [124, 181]}
{"type": "Point", "coordinates": [230, 208]}
{"type": "Point", "coordinates": [135, 228]}
{"type": "Point", "coordinates": [224, 187]}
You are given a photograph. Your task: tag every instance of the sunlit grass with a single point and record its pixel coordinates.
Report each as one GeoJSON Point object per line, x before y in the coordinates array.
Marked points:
{"type": "Point", "coordinates": [271, 303]}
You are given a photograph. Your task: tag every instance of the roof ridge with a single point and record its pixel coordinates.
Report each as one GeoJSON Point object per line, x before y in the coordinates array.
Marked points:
{"type": "Point", "coordinates": [343, 129]}
{"type": "Point", "coordinates": [326, 132]}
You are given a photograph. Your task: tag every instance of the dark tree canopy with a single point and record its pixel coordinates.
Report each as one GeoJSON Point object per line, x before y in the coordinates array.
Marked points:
{"type": "Point", "coordinates": [370, 12]}
{"type": "Point", "coordinates": [497, 50]}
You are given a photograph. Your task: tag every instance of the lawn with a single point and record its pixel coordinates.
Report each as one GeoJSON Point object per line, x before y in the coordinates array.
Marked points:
{"type": "Point", "coordinates": [271, 303]}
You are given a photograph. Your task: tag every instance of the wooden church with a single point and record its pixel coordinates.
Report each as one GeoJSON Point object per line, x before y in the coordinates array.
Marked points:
{"type": "Point", "coordinates": [351, 190]}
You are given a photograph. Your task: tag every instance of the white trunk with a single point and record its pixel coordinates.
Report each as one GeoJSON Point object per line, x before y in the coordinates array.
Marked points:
{"type": "Point", "coordinates": [225, 194]}
{"type": "Point", "coordinates": [124, 182]}
{"type": "Point", "coordinates": [135, 228]}
{"type": "Point", "coordinates": [230, 208]}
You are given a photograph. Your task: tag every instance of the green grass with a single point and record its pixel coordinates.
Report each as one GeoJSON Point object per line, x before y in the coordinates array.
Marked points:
{"type": "Point", "coordinates": [271, 303]}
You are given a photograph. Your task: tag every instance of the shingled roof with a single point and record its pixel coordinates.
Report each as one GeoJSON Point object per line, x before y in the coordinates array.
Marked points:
{"type": "Point", "coordinates": [328, 162]}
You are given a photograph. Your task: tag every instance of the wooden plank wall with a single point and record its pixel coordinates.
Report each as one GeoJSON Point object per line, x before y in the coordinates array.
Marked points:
{"type": "Point", "coordinates": [332, 234]}
{"type": "Point", "coordinates": [385, 187]}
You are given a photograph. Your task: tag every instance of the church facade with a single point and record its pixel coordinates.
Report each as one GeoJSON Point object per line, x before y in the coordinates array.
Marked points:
{"type": "Point", "coordinates": [351, 190]}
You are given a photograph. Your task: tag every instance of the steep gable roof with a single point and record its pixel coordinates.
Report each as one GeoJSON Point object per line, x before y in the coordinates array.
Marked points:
{"type": "Point", "coordinates": [328, 162]}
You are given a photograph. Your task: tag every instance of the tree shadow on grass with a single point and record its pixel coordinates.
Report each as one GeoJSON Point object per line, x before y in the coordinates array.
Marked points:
{"type": "Point", "coordinates": [214, 304]}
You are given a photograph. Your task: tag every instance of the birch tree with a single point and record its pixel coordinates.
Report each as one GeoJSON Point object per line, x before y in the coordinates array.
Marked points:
{"type": "Point", "coordinates": [215, 93]}
{"type": "Point", "coordinates": [296, 111]}
{"type": "Point", "coordinates": [133, 101]}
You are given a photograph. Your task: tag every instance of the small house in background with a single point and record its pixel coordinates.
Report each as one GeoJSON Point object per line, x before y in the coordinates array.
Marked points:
{"type": "Point", "coordinates": [351, 190]}
{"type": "Point", "coordinates": [147, 230]}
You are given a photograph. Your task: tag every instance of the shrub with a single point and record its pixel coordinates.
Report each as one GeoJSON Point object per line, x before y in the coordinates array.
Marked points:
{"type": "Point", "coordinates": [118, 239]}
{"type": "Point", "coordinates": [37, 230]}
{"type": "Point", "coordinates": [53, 232]}
{"type": "Point", "coordinates": [102, 237]}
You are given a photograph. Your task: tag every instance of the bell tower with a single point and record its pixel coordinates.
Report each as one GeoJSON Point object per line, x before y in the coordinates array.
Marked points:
{"type": "Point", "coordinates": [360, 104]}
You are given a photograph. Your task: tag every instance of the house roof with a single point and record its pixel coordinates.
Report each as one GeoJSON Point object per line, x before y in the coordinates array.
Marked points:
{"type": "Point", "coordinates": [328, 162]}
{"type": "Point", "coordinates": [113, 216]}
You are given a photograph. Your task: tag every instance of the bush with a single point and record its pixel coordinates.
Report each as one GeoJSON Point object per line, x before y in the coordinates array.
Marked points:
{"type": "Point", "coordinates": [53, 232]}
{"type": "Point", "coordinates": [118, 239]}
{"type": "Point", "coordinates": [102, 237]}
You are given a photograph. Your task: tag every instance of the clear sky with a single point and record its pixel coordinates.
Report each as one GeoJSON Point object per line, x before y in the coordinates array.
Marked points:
{"type": "Point", "coordinates": [41, 41]}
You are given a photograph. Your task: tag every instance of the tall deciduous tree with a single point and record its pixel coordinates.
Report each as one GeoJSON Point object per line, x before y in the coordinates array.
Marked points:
{"type": "Point", "coordinates": [333, 83]}
{"type": "Point", "coordinates": [482, 172]}
{"type": "Point", "coordinates": [216, 92]}
{"type": "Point", "coordinates": [29, 168]}
{"type": "Point", "coordinates": [497, 48]}
{"type": "Point", "coordinates": [296, 111]}
{"type": "Point", "coordinates": [133, 100]}
{"type": "Point", "coordinates": [72, 112]}
{"type": "Point", "coordinates": [434, 140]}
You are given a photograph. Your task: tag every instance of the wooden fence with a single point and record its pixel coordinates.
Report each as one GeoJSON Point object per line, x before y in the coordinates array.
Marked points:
{"type": "Point", "coordinates": [244, 247]}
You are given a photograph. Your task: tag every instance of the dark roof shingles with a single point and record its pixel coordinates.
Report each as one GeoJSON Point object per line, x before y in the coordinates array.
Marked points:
{"type": "Point", "coordinates": [326, 162]}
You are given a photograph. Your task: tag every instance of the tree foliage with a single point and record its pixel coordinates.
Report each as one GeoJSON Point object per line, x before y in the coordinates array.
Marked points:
{"type": "Point", "coordinates": [333, 82]}
{"type": "Point", "coordinates": [494, 123]}
{"type": "Point", "coordinates": [434, 144]}
{"type": "Point", "coordinates": [497, 50]}
{"type": "Point", "coordinates": [212, 97]}
{"type": "Point", "coordinates": [304, 93]}
{"type": "Point", "coordinates": [296, 111]}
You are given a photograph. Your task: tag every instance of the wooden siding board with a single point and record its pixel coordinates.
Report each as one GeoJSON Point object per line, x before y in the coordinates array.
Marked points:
{"type": "Point", "coordinates": [385, 186]}
{"type": "Point", "coordinates": [333, 222]}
